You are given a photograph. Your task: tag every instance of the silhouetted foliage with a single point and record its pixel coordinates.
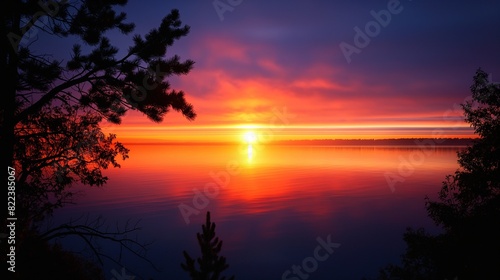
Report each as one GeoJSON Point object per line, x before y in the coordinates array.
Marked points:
{"type": "Point", "coordinates": [52, 108]}
{"type": "Point", "coordinates": [468, 209]}
{"type": "Point", "coordinates": [211, 264]}
{"type": "Point", "coordinates": [55, 149]}
{"type": "Point", "coordinates": [52, 260]}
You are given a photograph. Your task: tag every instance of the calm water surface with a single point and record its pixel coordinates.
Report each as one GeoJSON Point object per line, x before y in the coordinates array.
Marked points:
{"type": "Point", "coordinates": [276, 201]}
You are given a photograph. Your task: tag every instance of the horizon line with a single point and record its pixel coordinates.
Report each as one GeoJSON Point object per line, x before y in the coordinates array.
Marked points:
{"type": "Point", "coordinates": [439, 141]}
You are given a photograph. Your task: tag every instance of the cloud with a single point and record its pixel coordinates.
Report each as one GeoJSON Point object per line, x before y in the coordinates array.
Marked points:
{"type": "Point", "coordinates": [266, 55]}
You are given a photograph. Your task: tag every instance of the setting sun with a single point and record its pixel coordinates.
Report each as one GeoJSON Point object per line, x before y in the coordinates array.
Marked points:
{"type": "Point", "coordinates": [250, 137]}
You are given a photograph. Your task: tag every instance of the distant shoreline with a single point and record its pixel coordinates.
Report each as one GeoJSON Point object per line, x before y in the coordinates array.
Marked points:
{"type": "Point", "coordinates": [438, 142]}
{"type": "Point", "coordinates": [380, 142]}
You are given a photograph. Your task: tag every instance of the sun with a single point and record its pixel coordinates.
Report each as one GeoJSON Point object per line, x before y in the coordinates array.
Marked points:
{"type": "Point", "coordinates": [250, 137]}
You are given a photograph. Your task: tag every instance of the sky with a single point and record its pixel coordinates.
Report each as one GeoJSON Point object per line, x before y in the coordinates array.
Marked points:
{"type": "Point", "coordinates": [321, 69]}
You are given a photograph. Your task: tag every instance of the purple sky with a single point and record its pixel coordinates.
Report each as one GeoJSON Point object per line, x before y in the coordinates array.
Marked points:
{"type": "Point", "coordinates": [261, 55]}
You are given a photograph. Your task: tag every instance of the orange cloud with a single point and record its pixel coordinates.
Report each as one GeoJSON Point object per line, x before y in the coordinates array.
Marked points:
{"type": "Point", "coordinates": [236, 84]}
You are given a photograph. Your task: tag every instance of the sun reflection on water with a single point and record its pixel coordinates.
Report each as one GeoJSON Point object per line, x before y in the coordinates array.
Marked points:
{"type": "Point", "coordinates": [249, 153]}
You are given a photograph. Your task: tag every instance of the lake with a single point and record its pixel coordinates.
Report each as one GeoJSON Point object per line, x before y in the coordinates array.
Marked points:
{"type": "Point", "coordinates": [283, 212]}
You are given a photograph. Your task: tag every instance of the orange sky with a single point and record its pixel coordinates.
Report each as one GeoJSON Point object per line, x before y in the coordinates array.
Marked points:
{"type": "Point", "coordinates": [310, 106]}
{"type": "Point", "coordinates": [266, 133]}
{"type": "Point", "coordinates": [245, 76]}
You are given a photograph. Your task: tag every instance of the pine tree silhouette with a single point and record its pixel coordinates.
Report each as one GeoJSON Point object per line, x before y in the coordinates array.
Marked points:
{"type": "Point", "coordinates": [211, 265]}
